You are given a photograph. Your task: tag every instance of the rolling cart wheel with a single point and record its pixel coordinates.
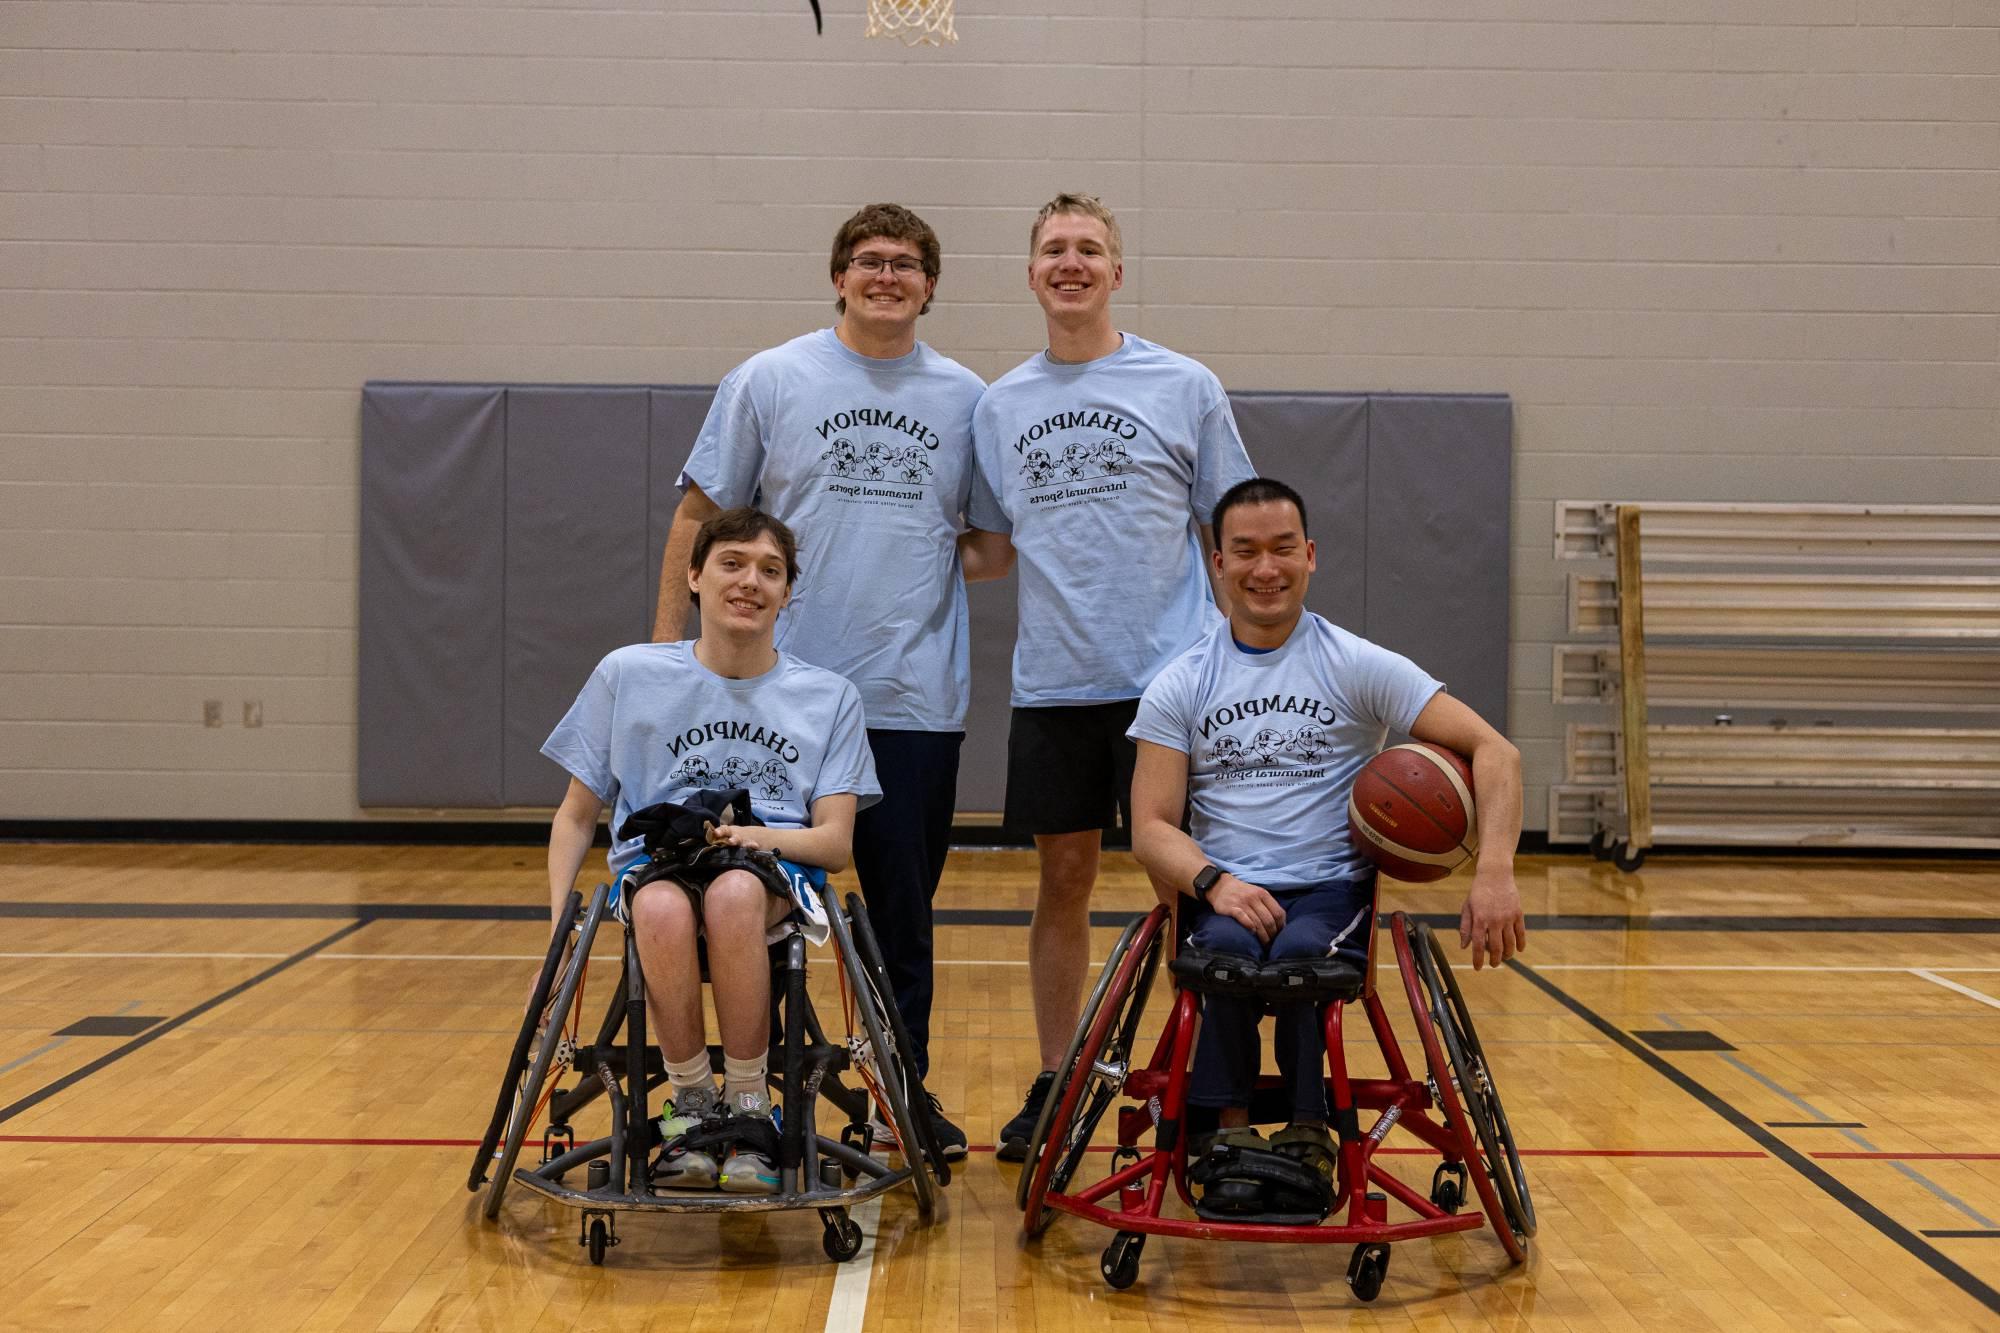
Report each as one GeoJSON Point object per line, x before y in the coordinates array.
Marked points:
{"type": "Point", "coordinates": [1120, 1264]}
{"type": "Point", "coordinates": [842, 1240]}
{"type": "Point", "coordinates": [1366, 1270]}
{"type": "Point", "coordinates": [1628, 858]}
{"type": "Point", "coordinates": [600, 1240]}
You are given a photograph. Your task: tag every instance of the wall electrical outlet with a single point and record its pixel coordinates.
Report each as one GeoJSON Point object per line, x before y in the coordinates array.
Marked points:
{"type": "Point", "coordinates": [211, 712]}
{"type": "Point", "coordinates": [253, 712]}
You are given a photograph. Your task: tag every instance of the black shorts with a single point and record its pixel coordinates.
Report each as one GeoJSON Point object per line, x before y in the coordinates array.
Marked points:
{"type": "Point", "coordinates": [1070, 769]}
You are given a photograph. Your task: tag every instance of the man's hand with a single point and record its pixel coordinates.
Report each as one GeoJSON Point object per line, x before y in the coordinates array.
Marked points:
{"type": "Point", "coordinates": [1490, 923]}
{"type": "Point", "coordinates": [1253, 907]}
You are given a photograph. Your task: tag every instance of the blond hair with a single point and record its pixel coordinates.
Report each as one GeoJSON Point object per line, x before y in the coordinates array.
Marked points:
{"type": "Point", "coordinates": [1090, 206]}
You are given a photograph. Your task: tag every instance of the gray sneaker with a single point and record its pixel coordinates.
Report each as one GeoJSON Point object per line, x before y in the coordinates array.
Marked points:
{"type": "Point", "coordinates": [747, 1171]}
{"type": "Point", "coordinates": [679, 1167]}
{"type": "Point", "coordinates": [689, 1107]}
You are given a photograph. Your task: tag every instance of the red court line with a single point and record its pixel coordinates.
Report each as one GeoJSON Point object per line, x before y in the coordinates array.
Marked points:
{"type": "Point", "coordinates": [1693, 1154]}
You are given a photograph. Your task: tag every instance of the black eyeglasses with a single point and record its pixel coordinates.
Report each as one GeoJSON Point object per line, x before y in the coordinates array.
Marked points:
{"type": "Point", "coordinates": [903, 266]}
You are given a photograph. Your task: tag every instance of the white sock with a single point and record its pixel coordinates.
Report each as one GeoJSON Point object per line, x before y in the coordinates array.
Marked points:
{"type": "Point", "coordinates": [741, 1076]}
{"type": "Point", "coordinates": [693, 1072]}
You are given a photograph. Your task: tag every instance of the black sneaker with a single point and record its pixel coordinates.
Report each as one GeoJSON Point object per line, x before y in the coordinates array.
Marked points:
{"type": "Point", "coordinates": [949, 1137]}
{"type": "Point", "coordinates": [1014, 1135]}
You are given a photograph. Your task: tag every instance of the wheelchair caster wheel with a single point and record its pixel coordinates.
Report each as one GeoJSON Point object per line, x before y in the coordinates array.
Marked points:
{"type": "Point", "coordinates": [1366, 1270]}
{"type": "Point", "coordinates": [1448, 1186]}
{"type": "Point", "coordinates": [1120, 1264]}
{"type": "Point", "coordinates": [599, 1239]}
{"type": "Point", "coordinates": [842, 1240]}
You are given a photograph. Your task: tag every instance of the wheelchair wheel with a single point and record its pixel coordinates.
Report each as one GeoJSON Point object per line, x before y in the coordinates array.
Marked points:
{"type": "Point", "coordinates": [1467, 1094]}
{"type": "Point", "coordinates": [1090, 1008]}
{"type": "Point", "coordinates": [878, 1059]}
{"type": "Point", "coordinates": [524, 1098]}
{"type": "Point", "coordinates": [1089, 1081]}
{"type": "Point", "coordinates": [919, 1097]}
{"type": "Point", "coordinates": [524, 1040]}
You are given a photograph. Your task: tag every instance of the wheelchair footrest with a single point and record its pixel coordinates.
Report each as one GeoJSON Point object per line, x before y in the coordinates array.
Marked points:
{"type": "Point", "coordinates": [1286, 981]}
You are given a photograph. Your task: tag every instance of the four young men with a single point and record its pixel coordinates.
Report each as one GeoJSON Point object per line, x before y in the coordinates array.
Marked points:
{"type": "Point", "coordinates": [1101, 461]}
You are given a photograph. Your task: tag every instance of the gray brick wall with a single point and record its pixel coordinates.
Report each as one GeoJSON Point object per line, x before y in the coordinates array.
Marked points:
{"type": "Point", "coordinates": [1709, 258]}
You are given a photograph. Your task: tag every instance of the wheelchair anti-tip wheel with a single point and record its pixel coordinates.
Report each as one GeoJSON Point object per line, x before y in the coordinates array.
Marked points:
{"type": "Point", "coordinates": [1092, 1077]}
{"type": "Point", "coordinates": [878, 1058]}
{"type": "Point", "coordinates": [1470, 1086]}
{"type": "Point", "coordinates": [520, 1097]}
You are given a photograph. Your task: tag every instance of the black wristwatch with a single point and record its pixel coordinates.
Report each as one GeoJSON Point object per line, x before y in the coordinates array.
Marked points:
{"type": "Point", "coordinates": [1204, 880]}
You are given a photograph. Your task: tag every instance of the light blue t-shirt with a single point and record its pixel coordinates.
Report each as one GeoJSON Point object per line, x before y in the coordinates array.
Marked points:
{"type": "Point", "coordinates": [869, 462]}
{"type": "Point", "coordinates": [1274, 741]}
{"type": "Point", "coordinates": [1101, 471]}
{"type": "Point", "coordinates": [653, 724]}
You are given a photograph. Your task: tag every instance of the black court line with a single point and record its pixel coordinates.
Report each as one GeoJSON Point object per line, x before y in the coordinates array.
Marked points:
{"type": "Point", "coordinates": [1819, 1124]}
{"type": "Point", "coordinates": [1964, 1235]}
{"type": "Point", "coordinates": [978, 916]}
{"type": "Point", "coordinates": [75, 1076]}
{"type": "Point", "coordinates": [1847, 1198]}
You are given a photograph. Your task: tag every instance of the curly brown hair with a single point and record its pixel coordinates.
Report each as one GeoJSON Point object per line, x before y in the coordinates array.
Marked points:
{"type": "Point", "coordinates": [891, 222]}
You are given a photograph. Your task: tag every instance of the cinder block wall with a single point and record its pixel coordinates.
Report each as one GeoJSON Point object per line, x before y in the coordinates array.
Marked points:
{"type": "Point", "coordinates": [1713, 250]}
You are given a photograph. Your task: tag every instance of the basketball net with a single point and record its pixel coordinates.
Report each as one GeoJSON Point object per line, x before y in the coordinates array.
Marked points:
{"type": "Point", "coordinates": [913, 22]}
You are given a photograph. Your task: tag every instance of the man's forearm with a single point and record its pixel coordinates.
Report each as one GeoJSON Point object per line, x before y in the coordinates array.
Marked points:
{"type": "Point", "coordinates": [1496, 784]}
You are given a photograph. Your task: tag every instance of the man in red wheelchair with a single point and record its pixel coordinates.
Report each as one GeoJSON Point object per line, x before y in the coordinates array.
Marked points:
{"type": "Point", "coordinates": [1257, 733]}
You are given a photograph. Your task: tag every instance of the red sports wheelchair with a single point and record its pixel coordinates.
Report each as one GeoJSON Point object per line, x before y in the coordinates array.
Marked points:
{"type": "Point", "coordinates": [1474, 1139]}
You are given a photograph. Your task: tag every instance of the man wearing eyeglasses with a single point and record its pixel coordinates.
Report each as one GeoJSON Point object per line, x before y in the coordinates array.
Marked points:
{"type": "Point", "coordinates": [859, 438]}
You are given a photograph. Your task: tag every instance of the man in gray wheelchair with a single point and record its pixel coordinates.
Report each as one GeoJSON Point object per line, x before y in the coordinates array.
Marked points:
{"type": "Point", "coordinates": [734, 772]}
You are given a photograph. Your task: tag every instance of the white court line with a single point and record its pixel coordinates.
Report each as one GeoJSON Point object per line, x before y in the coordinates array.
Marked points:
{"type": "Point", "coordinates": [848, 1309]}
{"type": "Point", "coordinates": [1931, 976]}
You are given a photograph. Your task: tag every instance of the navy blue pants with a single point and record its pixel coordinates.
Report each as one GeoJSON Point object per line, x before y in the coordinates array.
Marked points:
{"type": "Point", "coordinates": [899, 849]}
{"type": "Point", "coordinates": [1329, 920]}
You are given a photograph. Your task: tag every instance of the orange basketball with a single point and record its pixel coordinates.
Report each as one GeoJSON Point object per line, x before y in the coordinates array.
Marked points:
{"type": "Point", "coordinates": [1411, 812]}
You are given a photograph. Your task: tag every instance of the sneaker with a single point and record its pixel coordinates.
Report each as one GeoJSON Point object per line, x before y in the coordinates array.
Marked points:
{"type": "Point", "coordinates": [685, 1169]}
{"type": "Point", "coordinates": [1014, 1135]}
{"type": "Point", "coordinates": [745, 1170]}
{"type": "Point", "coordinates": [689, 1107]}
{"type": "Point", "coordinates": [949, 1138]}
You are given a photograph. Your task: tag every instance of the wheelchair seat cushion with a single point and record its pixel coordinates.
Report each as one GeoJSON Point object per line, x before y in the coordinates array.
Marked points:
{"type": "Point", "coordinates": [1283, 981]}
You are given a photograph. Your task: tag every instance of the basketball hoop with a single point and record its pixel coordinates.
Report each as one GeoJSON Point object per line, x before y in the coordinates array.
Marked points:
{"type": "Point", "coordinates": [914, 22]}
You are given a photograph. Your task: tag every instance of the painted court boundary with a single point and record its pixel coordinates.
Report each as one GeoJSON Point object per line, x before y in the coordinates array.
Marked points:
{"type": "Point", "coordinates": [1818, 1176]}
{"type": "Point", "coordinates": [366, 912]}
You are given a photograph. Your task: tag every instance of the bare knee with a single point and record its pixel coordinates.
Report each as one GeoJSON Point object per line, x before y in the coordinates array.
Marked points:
{"type": "Point", "coordinates": [1068, 867]}
{"type": "Point", "coordinates": [735, 902]}
{"type": "Point", "coordinates": [662, 914]}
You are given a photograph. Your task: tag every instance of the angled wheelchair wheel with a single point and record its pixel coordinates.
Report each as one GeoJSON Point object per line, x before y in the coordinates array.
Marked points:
{"type": "Point", "coordinates": [522, 1094]}
{"type": "Point", "coordinates": [1094, 1074]}
{"type": "Point", "coordinates": [524, 1040]}
{"type": "Point", "coordinates": [870, 950]}
{"type": "Point", "coordinates": [1465, 1086]}
{"type": "Point", "coordinates": [1090, 1008]}
{"type": "Point", "coordinates": [877, 1057]}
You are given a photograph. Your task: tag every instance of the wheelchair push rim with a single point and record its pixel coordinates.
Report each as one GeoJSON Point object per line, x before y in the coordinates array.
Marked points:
{"type": "Point", "coordinates": [532, 1018]}
{"type": "Point", "coordinates": [1447, 1081]}
{"type": "Point", "coordinates": [878, 1058]}
{"type": "Point", "coordinates": [1078, 1101]}
{"type": "Point", "coordinates": [1489, 1115]}
{"type": "Point", "coordinates": [1091, 1004]}
{"type": "Point", "coordinates": [566, 972]}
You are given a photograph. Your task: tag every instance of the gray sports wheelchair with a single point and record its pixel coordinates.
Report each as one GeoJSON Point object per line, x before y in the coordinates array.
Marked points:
{"type": "Point", "coordinates": [814, 1171]}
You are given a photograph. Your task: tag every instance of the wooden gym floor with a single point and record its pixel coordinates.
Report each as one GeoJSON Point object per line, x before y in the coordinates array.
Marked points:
{"type": "Point", "coordinates": [1753, 1093]}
